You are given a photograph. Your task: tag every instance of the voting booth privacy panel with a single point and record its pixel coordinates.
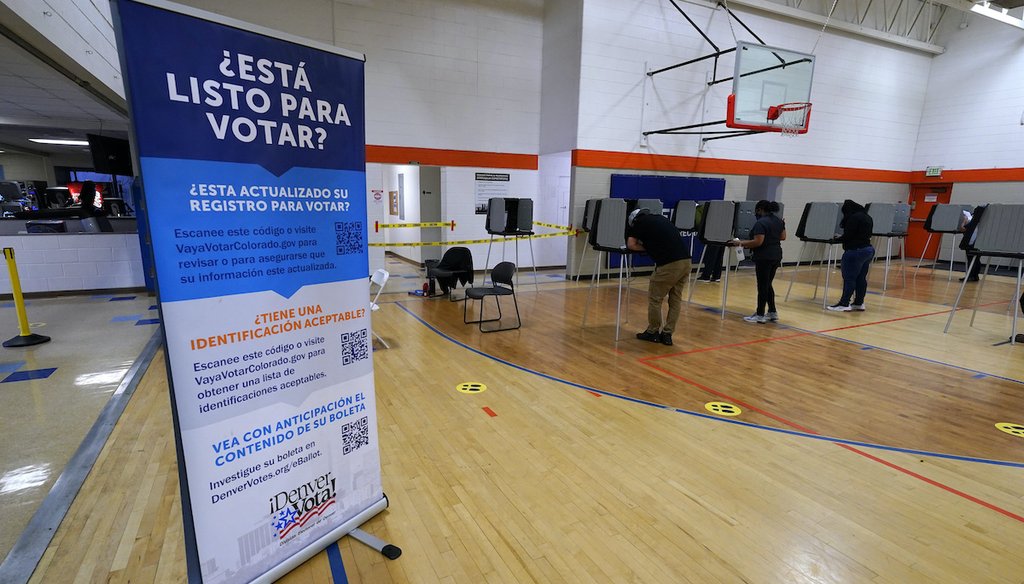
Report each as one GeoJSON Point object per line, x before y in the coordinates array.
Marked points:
{"type": "Point", "coordinates": [669, 190]}
{"type": "Point", "coordinates": [252, 153]}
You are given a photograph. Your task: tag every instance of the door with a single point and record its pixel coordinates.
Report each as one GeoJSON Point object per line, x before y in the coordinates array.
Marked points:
{"type": "Point", "coordinates": [922, 199]}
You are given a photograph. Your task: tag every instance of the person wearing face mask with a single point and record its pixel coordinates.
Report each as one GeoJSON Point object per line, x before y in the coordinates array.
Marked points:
{"type": "Point", "coordinates": [766, 237]}
{"type": "Point", "coordinates": [658, 238]}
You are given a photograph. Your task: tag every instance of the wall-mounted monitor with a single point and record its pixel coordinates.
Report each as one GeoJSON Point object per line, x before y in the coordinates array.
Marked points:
{"type": "Point", "coordinates": [111, 155]}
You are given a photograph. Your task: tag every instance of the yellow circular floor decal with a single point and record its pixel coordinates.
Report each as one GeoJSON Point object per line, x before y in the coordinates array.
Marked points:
{"type": "Point", "coordinates": [1015, 429]}
{"type": "Point", "coordinates": [471, 387]}
{"type": "Point", "coordinates": [722, 409]}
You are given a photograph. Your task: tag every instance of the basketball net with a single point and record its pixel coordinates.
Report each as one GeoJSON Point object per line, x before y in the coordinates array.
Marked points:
{"type": "Point", "coordinates": [790, 118]}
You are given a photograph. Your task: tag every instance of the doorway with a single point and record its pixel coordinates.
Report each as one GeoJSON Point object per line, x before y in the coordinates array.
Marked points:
{"type": "Point", "coordinates": [922, 199]}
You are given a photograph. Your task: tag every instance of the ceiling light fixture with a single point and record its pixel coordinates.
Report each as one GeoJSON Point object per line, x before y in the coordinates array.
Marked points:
{"type": "Point", "coordinates": [59, 142]}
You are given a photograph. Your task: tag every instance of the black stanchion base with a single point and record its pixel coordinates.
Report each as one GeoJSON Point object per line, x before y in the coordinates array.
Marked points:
{"type": "Point", "coordinates": [27, 340]}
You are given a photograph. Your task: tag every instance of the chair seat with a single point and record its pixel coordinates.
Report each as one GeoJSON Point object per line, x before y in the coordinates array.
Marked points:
{"type": "Point", "coordinates": [478, 293]}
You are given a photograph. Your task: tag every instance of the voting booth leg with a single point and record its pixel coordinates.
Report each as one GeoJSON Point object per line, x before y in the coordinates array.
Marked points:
{"type": "Point", "coordinates": [536, 284]}
{"type": "Point", "coordinates": [796, 269]}
{"type": "Point", "coordinates": [629, 281]}
{"type": "Point", "coordinates": [927, 242]}
{"type": "Point", "coordinates": [959, 295]}
{"type": "Point", "coordinates": [828, 274]}
{"type": "Point", "coordinates": [977, 294]}
{"type": "Point", "coordinates": [888, 253]}
{"type": "Point", "coordinates": [952, 250]}
{"type": "Point", "coordinates": [487, 261]}
{"type": "Point", "coordinates": [903, 260]}
{"type": "Point", "coordinates": [1013, 301]}
{"type": "Point", "coordinates": [697, 273]}
{"type": "Point", "coordinates": [727, 256]}
{"type": "Point", "coordinates": [590, 291]}
{"type": "Point", "coordinates": [826, 265]}
{"type": "Point", "coordinates": [579, 265]}
{"type": "Point", "coordinates": [618, 303]}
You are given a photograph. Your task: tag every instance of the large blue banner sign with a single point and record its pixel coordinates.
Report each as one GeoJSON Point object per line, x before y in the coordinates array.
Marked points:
{"type": "Point", "coordinates": [251, 150]}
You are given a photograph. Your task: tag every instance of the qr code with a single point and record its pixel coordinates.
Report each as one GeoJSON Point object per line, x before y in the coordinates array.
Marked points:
{"type": "Point", "coordinates": [354, 347]}
{"type": "Point", "coordinates": [355, 435]}
{"type": "Point", "coordinates": [348, 236]}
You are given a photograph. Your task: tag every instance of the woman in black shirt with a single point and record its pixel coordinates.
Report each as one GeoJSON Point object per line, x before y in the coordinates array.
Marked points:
{"type": "Point", "coordinates": [766, 237]}
{"type": "Point", "coordinates": [857, 255]}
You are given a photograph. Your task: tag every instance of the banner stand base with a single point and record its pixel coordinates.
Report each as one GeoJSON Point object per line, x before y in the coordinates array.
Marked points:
{"type": "Point", "coordinates": [327, 539]}
{"type": "Point", "coordinates": [389, 551]}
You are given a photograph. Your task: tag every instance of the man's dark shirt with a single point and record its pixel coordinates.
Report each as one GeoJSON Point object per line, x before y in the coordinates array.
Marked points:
{"type": "Point", "coordinates": [660, 239]}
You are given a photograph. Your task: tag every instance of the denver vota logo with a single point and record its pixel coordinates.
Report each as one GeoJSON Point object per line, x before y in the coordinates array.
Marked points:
{"type": "Point", "coordinates": [293, 509]}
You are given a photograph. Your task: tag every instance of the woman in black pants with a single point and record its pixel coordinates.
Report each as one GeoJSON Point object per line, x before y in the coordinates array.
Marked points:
{"type": "Point", "coordinates": [765, 240]}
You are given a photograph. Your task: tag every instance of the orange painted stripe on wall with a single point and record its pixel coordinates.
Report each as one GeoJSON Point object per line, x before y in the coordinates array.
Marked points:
{"type": "Point", "coordinates": [973, 175]}
{"type": "Point", "coordinates": [663, 162]}
{"type": "Point", "coordinates": [439, 157]}
{"type": "Point", "coordinates": [669, 163]}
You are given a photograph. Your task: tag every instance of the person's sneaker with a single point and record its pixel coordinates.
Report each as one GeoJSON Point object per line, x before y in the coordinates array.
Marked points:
{"type": "Point", "coordinates": [649, 336]}
{"type": "Point", "coordinates": [756, 318]}
{"type": "Point", "coordinates": [1019, 338]}
{"type": "Point", "coordinates": [772, 316]}
{"type": "Point", "coordinates": [666, 339]}
{"type": "Point", "coordinates": [713, 280]}
{"type": "Point", "coordinates": [840, 308]}
{"type": "Point", "coordinates": [858, 307]}
{"type": "Point", "coordinates": [972, 279]}
{"type": "Point", "coordinates": [703, 279]}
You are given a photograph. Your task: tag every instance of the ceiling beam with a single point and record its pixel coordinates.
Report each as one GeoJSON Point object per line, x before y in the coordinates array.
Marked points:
{"type": "Point", "coordinates": [797, 14]}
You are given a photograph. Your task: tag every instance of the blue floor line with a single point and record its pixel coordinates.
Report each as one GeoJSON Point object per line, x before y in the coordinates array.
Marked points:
{"type": "Point", "coordinates": [12, 366]}
{"type": "Point", "coordinates": [337, 566]}
{"type": "Point", "coordinates": [29, 375]}
{"type": "Point", "coordinates": [126, 317]}
{"type": "Point", "coordinates": [711, 417]}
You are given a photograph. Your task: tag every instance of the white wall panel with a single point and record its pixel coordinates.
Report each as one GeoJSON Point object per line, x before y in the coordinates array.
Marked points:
{"type": "Point", "coordinates": [459, 188]}
{"type": "Point", "coordinates": [462, 77]}
{"type": "Point", "coordinates": [74, 261]}
{"type": "Point", "coordinates": [867, 96]}
{"type": "Point", "coordinates": [560, 75]}
{"type": "Point", "coordinates": [972, 115]}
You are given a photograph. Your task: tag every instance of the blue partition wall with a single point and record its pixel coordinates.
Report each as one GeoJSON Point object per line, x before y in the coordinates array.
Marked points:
{"type": "Point", "coordinates": [670, 190]}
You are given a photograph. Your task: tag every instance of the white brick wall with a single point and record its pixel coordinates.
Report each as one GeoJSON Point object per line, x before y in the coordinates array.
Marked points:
{"type": "Point", "coordinates": [972, 115]}
{"type": "Point", "coordinates": [867, 96]}
{"type": "Point", "coordinates": [460, 76]}
{"type": "Point", "coordinates": [77, 261]}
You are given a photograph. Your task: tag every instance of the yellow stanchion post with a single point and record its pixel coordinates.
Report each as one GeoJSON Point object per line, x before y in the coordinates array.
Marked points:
{"type": "Point", "coordinates": [25, 337]}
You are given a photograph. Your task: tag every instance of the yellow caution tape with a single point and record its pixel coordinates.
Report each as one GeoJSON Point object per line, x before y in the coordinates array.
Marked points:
{"type": "Point", "coordinates": [379, 226]}
{"type": "Point", "coordinates": [553, 226]}
{"type": "Point", "coordinates": [462, 242]}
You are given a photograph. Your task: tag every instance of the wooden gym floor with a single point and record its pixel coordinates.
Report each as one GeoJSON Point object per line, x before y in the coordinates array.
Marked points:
{"type": "Point", "coordinates": [865, 451]}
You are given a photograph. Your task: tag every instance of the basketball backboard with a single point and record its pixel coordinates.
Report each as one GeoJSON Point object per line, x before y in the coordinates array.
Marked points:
{"type": "Point", "coordinates": [764, 79]}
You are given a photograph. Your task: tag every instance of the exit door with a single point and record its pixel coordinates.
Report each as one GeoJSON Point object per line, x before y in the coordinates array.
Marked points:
{"type": "Point", "coordinates": [922, 199]}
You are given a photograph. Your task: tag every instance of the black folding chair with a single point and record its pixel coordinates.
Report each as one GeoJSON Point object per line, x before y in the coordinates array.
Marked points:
{"type": "Point", "coordinates": [501, 277]}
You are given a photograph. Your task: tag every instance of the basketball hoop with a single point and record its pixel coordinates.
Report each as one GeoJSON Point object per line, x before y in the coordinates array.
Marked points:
{"type": "Point", "coordinates": [790, 118]}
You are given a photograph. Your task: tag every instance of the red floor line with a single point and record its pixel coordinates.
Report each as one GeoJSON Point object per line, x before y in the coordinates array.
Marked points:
{"type": "Point", "coordinates": [705, 349]}
{"type": "Point", "coordinates": [934, 483]}
{"type": "Point", "coordinates": [852, 326]}
{"type": "Point", "coordinates": [732, 399]}
{"type": "Point", "coordinates": [490, 412]}
{"type": "Point", "coordinates": [863, 324]}
{"type": "Point", "coordinates": [831, 330]}
{"type": "Point", "coordinates": [891, 465]}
